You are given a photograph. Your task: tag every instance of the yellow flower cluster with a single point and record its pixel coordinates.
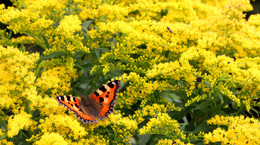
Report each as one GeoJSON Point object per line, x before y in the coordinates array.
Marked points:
{"type": "Point", "coordinates": [123, 128]}
{"type": "Point", "coordinates": [69, 25]}
{"type": "Point", "coordinates": [18, 122]}
{"type": "Point", "coordinates": [151, 110]}
{"type": "Point", "coordinates": [95, 139]}
{"type": "Point", "coordinates": [144, 91]}
{"type": "Point", "coordinates": [45, 23]}
{"type": "Point", "coordinates": [105, 11]}
{"type": "Point", "coordinates": [163, 124]}
{"type": "Point", "coordinates": [63, 124]}
{"type": "Point", "coordinates": [51, 138]}
{"type": "Point", "coordinates": [16, 78]}
{"type": "Point", "coordinates": [171, 142]}
{"type": "Point", "coordinates": [56, 80]}
{"type": "Point", "coordinates": [49, 106]}
{"type": "Point", "coordinates": [22, 94]}
{"type": "Point", "coordinates": [238, 130]}
{"type": "Point", "coordinates": [165, 142]}
{"type": "Point", "coordinates": [50, 78]}
{"type": "Point", "coordinates": [5, 142]}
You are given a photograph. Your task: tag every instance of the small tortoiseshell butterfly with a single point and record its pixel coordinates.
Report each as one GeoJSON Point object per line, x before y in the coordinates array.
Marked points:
{"type": "Point", "coordinates": [98, 104]}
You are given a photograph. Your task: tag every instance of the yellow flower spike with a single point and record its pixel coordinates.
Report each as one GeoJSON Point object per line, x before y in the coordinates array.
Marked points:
{"type": "Point", "coordinates": [162, 121]}
{"type": "Point", "coordinates": [51, 138]}
{"type": "Point", "coordinates": [171, 142]}
{"type": "Point", "coordinates": [63, 124]}
{"type": "Point", "coordinates": [240, 130]}
{"type": "Point", "coordinates": [69, 25]}
{"type": "Point", "coordinates": [5, 142]}
{"type": "Point", "coordinates": [23, 39]}
{"type": "Point", "coordinates": [196, 99]}
{"type": "Point", "coordinates": [57, 79]}
{"type": "Point", "coordinates": [18, 122]}
{"type": "Point", "coordinates": [42, 23]}
{"type": "Point", "coordinates": [17, 79]}
{"type": "Point", "coordinates": [6, 102]}
{"type": "Point", "coordinates": [99, 140]}
{"type": "Point", "coordinates": [123, 127]}
{"type": "Point", "coordinates": [49, 106]}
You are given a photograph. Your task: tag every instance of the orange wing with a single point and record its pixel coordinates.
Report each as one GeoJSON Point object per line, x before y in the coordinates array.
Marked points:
{"type": "Point", "coordinates": [107, 95]}
{"type": "Point", "coordinates": [72, 103]}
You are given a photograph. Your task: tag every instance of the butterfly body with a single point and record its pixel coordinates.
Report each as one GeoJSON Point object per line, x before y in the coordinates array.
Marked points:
{"type": "Point", "coordinates": [98, 104]}
{"type": "Point", "coordinates": [91, 106]}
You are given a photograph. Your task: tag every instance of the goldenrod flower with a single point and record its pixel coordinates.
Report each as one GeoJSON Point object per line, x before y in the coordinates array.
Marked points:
{"type": "Point", "coordinates": [240, 130]}
{"type": "Point", "coordinates": [18, 122]}
{"type": "Point", "coordinates": [51, 138]}
{"type": "Point", "coordinates": [164, 125]}
{"type": "Point", "coordinates": [69, 25]}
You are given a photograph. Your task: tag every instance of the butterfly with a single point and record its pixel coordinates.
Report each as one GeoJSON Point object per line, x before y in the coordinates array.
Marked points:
{"type": "Point", "coordinates": [98, 104]}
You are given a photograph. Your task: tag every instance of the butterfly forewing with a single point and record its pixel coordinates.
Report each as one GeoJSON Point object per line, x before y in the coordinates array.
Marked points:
{"type": "Point", "coordinates": [73, 104]}
{"type": "Point", "coordinates": [107, 95]}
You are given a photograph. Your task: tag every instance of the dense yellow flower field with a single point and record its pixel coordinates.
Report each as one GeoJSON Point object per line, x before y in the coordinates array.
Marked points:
{"type": "Point", "coordinates": [189, 71]}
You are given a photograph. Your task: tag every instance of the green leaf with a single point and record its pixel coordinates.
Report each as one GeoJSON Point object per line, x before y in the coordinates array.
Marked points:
{"type": "Point", "coordinates": [255, 111]}
{"type": "Point", "coordinates": [172, 97]}
{"type": "Point", "coordinates": [86, 23]}
{"type": "Point", "coordinates": [202, 127]}
{"type": "Point", "coordinates": [143, 139]}
{"type": "Point", "coordinates": [98, 52]}
{"type": "Point", "coordinates": [113, 43]}
{"type": "Point", "coordinates": [22, 47]}
{"type": "Point", "coordinates": [220, 112]}
{"type": "Point", "coordinates": [53, 55]}
{"type": "Point", "coordinates": [46, 42]}
{"type": "Point", "coordinates": [79, 66]}
{"type": "Point", "coordinates": [109, 131]}
{"type": "Point", "coordinates": [202, 105]}
{"type": "Point", "coordinates": [10, 34]}
{"type": "Point", "coordinates": [182, 126]}
{"type": "Point", "coordinates": [220, 96]}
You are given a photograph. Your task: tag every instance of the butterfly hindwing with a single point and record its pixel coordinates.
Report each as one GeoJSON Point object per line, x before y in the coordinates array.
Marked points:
{"type": "Point", "coordinates": [107, 95]}
{"type": "Point", "coordinates": [73, 104]}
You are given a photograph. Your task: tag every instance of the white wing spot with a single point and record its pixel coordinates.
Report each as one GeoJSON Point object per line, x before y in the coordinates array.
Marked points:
{"type": "Point", "coordinates": [107, 87]}
{"type": "Point", "coordinates": [99, 92]}
{"type": "Point", "coordinates": [106, 100]}
{"type": "Point", "coordinates": [74, 106]}
{"type": "Point", "coordinates": [65, 98]}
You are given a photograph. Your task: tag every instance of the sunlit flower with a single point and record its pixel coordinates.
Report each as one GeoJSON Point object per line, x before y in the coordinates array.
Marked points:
{"type": "Point", "coordinates": [18, 122]}
{"type": "Point", "coordinates": [164, 125]}
{"type": "Point", "coordinates": [51, 138]}
{"type": "Point", "coordinates": [69, 25]}
{"type": "Point", "coordinates": [63, 124]}
{"type": "Point", "coordinates": [240, 130]}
